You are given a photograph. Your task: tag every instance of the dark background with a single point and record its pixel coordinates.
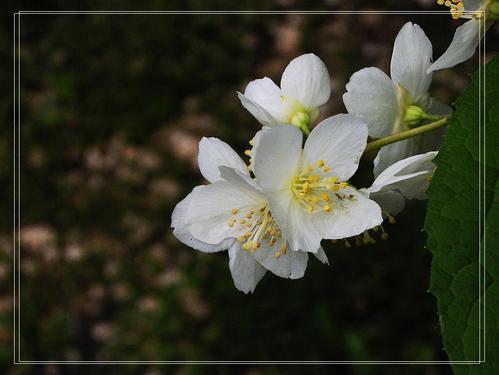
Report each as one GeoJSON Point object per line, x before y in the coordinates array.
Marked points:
{"type": "Point", "coordinates": [112, 109]}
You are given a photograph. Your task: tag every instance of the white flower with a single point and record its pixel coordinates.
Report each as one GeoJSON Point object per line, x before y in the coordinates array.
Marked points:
{"type": "Point", "coordinates": [231, 213]}
{"type": "Point", "coordinates": [406, 179]}
{"type": "Point", "coordinates": [307, 188]}
{"type": "Point", "coordinates": [467, 36]}
{"type": "Point", "coordinates": [305, 85]}
{"type": "Point", "coordinates": [392, 105]}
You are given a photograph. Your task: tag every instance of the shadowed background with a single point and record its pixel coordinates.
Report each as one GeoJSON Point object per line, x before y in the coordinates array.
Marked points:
{"type": "Point", "coordinates": [112, 110]}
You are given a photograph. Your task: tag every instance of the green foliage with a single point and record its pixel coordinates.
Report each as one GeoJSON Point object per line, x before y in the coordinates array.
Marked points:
{"type": "Point", "coordinates": [465, 188]}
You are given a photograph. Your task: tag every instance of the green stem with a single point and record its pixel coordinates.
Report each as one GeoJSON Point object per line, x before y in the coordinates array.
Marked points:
{"type": "Point", "coordinates": [378, 143]}
{"type": "Point", "coordinates": [305, 130]}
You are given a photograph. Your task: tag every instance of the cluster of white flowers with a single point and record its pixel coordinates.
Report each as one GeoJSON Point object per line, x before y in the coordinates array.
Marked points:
{"type": "Point", "coordinates": [294, 193]}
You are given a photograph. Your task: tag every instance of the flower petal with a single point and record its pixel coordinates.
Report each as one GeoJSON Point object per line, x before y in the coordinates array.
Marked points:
{"type": "Point", "coordinates": [349, 216]}
{"type": "Point", "coordinates": [462, 47]}
{"type": "Point", "coordinates": [405, 173]}
{"type": "Point", "coordinates": [257, 111]}
{"type": "Point", "coordinates": [410, 177]}
{"type": "Point", "coordinates": [321, 255]}
{"type": "Point", "coordinates": [307, 80]}
{"type": "Point", "coordinates": [339, 141]}
{"type": "Point", "coordinates": [394, 152]}
{"type": "Point", "coordinates": [372, 96]}
{"type": "Point", "coordinates": [265, 93]}
{"type": "Point", "coordinates": [214, 153]}
{"type": "Point", "coordinates": [295, 223]}
{"type": "Point", "coordinates": [412, 54]}
{"type": "Point", "coordinates": [245, 270]}
{"type": "Point", "coordinates": [276, 156]}
{"type": "Point", "coordinates": [391, 202]}
{"type": "Point", "coordinates": [211, 208]}
{"type": "Point", "coordinates": [291, 265]}
{"type": "Point", "coordinates": [436, 107]}
{"type": "Point", "coordinates": [181, 229]}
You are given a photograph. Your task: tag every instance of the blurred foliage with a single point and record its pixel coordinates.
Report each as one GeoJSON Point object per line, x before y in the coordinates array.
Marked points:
{"type": "Point", "coordinates": [112, 108]}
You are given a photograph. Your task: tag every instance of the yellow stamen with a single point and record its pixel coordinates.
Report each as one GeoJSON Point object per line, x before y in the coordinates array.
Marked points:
{"type": "Point", "coordinates": [312, 188]}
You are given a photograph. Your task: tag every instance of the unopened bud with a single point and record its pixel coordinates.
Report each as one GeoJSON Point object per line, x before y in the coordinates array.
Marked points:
{"type": "Point", "coordinates": [414, 115]}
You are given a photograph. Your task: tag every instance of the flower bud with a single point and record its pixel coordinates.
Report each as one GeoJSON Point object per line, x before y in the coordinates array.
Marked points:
{"type": "Point", "coordinates": [414, 115]}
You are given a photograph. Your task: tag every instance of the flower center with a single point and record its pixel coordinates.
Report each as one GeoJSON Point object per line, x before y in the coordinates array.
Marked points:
{"type": "Point", "coordinates": [298, 115]}
{"type": "Point", "coordinates": [257, 227]}
{"type": "Point", "coordinates": [314, 189]}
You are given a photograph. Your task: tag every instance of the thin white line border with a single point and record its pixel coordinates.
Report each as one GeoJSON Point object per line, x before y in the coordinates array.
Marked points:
{"type": "Point", "coordinates": [17, 181]}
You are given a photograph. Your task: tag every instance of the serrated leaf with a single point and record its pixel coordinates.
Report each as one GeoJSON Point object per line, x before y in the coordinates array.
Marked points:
{"type": "Point", "coordinates": [458, 199]}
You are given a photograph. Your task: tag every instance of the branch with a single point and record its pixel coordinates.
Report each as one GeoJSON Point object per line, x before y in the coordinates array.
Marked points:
{"type": "Point", "coordinates": [378, 143]}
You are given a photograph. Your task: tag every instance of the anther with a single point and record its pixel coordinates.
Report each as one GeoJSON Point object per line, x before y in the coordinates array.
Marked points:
{"type": "Point", "coordinates": [283, 248]}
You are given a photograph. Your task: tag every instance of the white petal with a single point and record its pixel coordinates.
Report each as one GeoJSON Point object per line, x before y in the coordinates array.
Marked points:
{"type": "Point", "coordinates": [349, 216]}
{"type": "Point", "coordinates": [245, 270]}
{"type": "Point", "coordinates": [404, 172]}
{"type": "Point", "coordinates": [257, 111]}
{"type": "Point", "coordinates": [321, 255]}
{"type": "Point", "coordinates": [214, 153]}
{"type": "Point", "coordinates": [394, 152]}
{"type": "Point", "coordinates": [391, 202]}
{"type": "Point", "coordinates": [294, 222]}
{"type": "Point", "coordinates": [210, 210]}
{"type": "Point", "coordinates": [339, 141]}
{"type": "Point", "coordinates": [410, 177]}
{"type": "Point", "coordinates": [181, 229]}
{"type": "Point", "coordinates": [436, 107]}
{"type": "Point", "coordinates": [291, 265]}
{"type": "Point", "coordinates": [307, 80]}
{"type": "Point", "coordinates": [238, 179]}
{"type": "Point", "coordinates": [416, 187]}
{"type": "Point", "coordinates": [462, 47]}
{"type": "Point", "coordinates": [265, 93]}
{"type": "Point", "coordinates": [371, 96]}
{"type": "Point", "coordinates": [276, 156]}
{"type": "Point", "coordinates": [412, 54]}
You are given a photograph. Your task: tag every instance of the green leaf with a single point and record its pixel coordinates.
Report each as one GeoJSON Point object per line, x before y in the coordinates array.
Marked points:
{"type": "Point", "coordinates": [464, 190]}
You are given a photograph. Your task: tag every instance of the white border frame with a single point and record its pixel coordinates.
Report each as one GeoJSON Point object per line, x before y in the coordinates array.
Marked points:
{"type": "Point", "coordinates": [17, 193]}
